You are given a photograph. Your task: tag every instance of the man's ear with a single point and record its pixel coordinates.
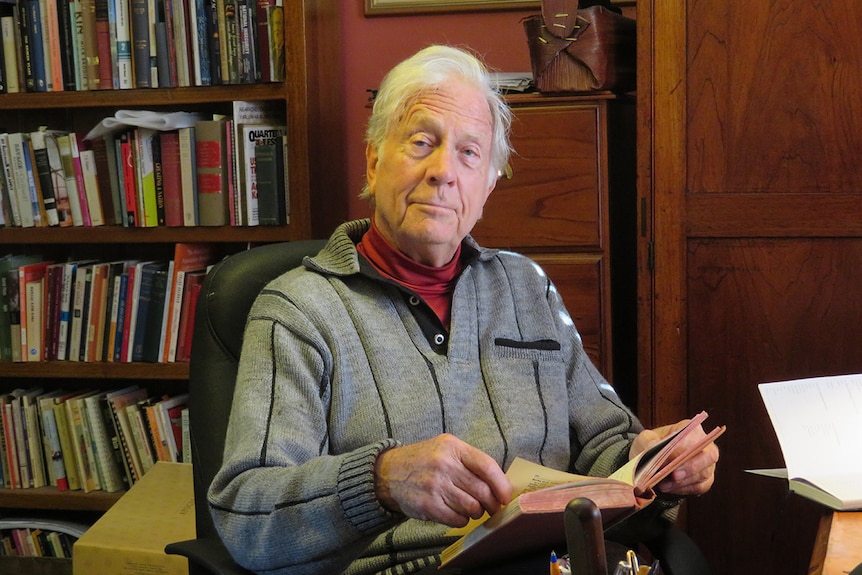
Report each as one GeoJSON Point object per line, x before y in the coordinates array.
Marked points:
{"type": "Point", "coordinates": [371, 158]}
{"type": "Point", "coordinates": [490, 189]}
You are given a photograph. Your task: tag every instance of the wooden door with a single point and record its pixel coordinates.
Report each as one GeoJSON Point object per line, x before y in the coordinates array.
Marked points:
{"type": "Point", "coordinates": [750, 178]}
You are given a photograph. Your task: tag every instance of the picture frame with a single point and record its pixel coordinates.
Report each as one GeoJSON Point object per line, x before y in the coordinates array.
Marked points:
{"type": "Point", "coordinates": [400, 7]}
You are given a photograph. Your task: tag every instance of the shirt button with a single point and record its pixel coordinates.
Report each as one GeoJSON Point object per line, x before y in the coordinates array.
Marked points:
{"type": "Point", "coordinates": [414, 300]}
{"type": "Point", "coordinates": [439, 339]}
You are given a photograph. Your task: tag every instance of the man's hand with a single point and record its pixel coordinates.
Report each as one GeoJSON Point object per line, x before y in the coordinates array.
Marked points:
{"type": "Point", "coordinates": [442, 479]}
{"type": "Point", "coordinates": [697, 475]}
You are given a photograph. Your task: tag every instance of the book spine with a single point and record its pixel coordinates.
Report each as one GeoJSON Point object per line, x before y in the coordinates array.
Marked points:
{"type": "Point", "coordinates": [19, 175]}
{"type": "Point", "coordinates": [158, 177]}
{"type": "Point", "coordinates": [80, 185]}
{"type": "Point", "coordinates": [214, 30]}
{"type": "Point", "coordinates": [6, 480]}
{"type": "Point", "coordinates": [33, 191]}
{"type": "Point", "coordinates": [51, 45]}
{"type": "Point", "coordinates": [21, 444]}
{"type": "Point", "coordinates": [63, 205]}
{"type": "Point", "coordinates": [9, 178]}
{"type": "Point", "coordinates": [104, 41]}
{"type": "Point", "coordinates": [33, 22]}
{"type": "Point", "coordinates": [101, 156]}
{"type": "Point", "coordinates": [211, 172]}
{"type": "Point", "coordinates": [125, 460]}
{"type": "Point", "coordinates": [71, 182]}
{"type": "Point", "coordinates": [56, 459]}
{"type": "Point", "coordinates": [90, 40]}
{"type": "Point", "coordinates": [91, 187]}
{"type": "Point", "coordinates": [124, 45]}
{"type": "Point", "coordinates": [188, 172]}
{"type": "Point", "coordinates": [140, 437]}
{"type": "Point", "coordinates": [133, 290]}
{"type": "Point", "coordinates": [106, 465]}
{"type": "Point", "coordinates": [76, 434]}
{"type": "Point", "coordinates": [7, 28]}
{"type": "Point", "coordinates": [67, 447]}
{"type": "Point", "coordinates": [200, 46]}
{"type": "Point", "coordinates": [11, 447]}
{"type": "Point", "coordinates": [43, 173]}
{"type": "Point", "coordinates": [111, 6]}
{"type": "Point", "coordinates": [31, 418]}
{"type": "Point", "coordinates": [13, 305]}
{"type": "Point", "coordinates": [155, 312]}
{"type": "Point", "coordinates": [122, 305]}
{"type": "Point", "coordinates": [139, 18]}
{"type": "Point", "coordinates": [129, 181]}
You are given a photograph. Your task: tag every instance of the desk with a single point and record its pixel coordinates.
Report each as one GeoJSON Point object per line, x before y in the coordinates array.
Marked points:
{"type": "Point", "coordinates": [838, 547]}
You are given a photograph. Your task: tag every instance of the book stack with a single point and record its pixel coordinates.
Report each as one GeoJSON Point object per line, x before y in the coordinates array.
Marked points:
{"type": "Point", "coordinates": [88, 439]}
{"type": "Point", "coordinates": [123, 44]}
{"type": "Point", "coordinates": [146, 169]}
{"type": "Point", "coordinates": [37, 537]}
{"type": "Point", "coordinates": [101, 311]}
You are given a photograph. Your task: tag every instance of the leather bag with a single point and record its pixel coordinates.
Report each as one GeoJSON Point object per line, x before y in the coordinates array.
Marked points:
{"type": "Point", "coordinates": [577, 50]}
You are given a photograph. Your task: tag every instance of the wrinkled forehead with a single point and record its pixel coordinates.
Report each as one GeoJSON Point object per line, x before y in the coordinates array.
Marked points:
{"type": "Point", "coordinates": [455, 101]}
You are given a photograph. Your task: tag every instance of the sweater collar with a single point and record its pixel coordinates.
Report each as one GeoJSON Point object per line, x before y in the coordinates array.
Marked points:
{"type": "Point", "coordinates": [340, 257]}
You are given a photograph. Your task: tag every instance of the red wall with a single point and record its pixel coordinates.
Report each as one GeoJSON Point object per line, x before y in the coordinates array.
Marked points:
{"type": "Point", "coordinates": [371, 46]}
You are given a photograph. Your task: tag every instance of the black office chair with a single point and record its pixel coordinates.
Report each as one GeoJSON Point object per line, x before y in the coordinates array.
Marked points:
{"type": "Point", "coordinates": [226, 297]}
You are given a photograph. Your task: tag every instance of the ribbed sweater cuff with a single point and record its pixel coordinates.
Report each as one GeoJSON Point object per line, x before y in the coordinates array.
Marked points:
{"type": "Point", "coordinates": [356, 488]}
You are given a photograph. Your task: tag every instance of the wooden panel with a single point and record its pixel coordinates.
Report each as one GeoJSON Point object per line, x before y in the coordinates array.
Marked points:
{"type": "Point", "coordinates": [763, 310]}
{"type": "Point", "coordinates": [553, 196]}
{"type": "Point", "coordinates": [774, 96]}
{"type": "Point", "coordinates": [579, 279]}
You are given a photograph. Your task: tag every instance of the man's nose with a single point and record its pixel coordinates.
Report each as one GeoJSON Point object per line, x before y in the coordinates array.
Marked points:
{"type": "Point", "coordinates": [441, 166]}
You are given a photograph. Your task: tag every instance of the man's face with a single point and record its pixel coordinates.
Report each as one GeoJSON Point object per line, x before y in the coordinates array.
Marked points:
{"type": "Point", "coordinates": [429, 178]}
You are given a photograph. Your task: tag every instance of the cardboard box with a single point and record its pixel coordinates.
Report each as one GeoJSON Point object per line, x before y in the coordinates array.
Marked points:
{"type": "Point", "coordinates": [130, 538]}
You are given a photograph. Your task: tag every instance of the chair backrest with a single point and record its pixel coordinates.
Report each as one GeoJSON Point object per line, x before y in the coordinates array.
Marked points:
{"type": "Point", "coordinates": [225, 299]}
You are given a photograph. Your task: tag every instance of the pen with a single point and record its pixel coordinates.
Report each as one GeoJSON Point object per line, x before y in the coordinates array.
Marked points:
{"type": "Point", "coordinates": [653, 570]}
{"type": "Point", "coordinates": [555, 566]}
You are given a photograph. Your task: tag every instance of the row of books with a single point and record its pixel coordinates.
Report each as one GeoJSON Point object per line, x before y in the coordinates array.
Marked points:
{"type": "Point", "coordinates": [101, 311]}
{"type": "Point", "coordinates": [35, 542]}
{"type": "Point", "coordinates": [89, 440]}
{"type": "Point", "coordinates": [56, 45]}
{"type": "Point", "coordinates": [224, 170]}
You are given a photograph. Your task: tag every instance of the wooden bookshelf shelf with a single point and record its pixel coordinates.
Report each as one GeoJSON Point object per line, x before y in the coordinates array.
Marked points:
{"type": "Point", "coordinates": [95, 370]}
{"type": "Point", "coordinates": [156, 235]}
{"type": "Point", "coordinates": [51, 498]}
{"type": "Point", "coordinates": [143, 97]}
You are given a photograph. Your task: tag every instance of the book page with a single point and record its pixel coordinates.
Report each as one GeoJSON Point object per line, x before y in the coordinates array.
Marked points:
{"type": "Point", "coordinates": [816, 421]}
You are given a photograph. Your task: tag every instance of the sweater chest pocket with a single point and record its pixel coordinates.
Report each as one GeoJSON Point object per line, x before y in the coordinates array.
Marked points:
{"type": "Point", "coordinates": [529, 360]}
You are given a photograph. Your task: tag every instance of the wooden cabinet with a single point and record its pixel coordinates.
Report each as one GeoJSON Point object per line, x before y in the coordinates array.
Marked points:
{"type": "Point", "coordinates": [308, 89]}
{"type": "Point", "coordinates": [568, 209]}
{"type": "Point", "coordinates": [751, 185]}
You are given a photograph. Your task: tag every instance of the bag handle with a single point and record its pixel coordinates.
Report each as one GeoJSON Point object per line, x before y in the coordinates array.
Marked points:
{"type": "Point", "coordinates": [561, 18]}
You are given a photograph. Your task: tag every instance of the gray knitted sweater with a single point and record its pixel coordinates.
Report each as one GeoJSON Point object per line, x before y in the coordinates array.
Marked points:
{"type": "Point", "coordinates": [336, 367]}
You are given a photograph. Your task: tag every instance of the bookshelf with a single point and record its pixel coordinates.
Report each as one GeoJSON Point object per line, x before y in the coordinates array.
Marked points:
{"type": "Point", "coordinates": [308, 90]}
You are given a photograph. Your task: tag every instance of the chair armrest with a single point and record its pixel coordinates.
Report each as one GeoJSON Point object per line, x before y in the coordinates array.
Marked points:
{"type": "Point", "coordinates": [209, 554]}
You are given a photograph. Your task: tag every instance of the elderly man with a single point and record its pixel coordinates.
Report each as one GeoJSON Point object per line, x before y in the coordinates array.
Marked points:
{"type": "Point", "coordinates": [385, 385]}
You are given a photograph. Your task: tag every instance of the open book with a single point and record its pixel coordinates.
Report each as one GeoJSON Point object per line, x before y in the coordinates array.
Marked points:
{"type": "Point", "coordinates": [534, 518]}
{"type": "Point", "coordinates": [817, 424]}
